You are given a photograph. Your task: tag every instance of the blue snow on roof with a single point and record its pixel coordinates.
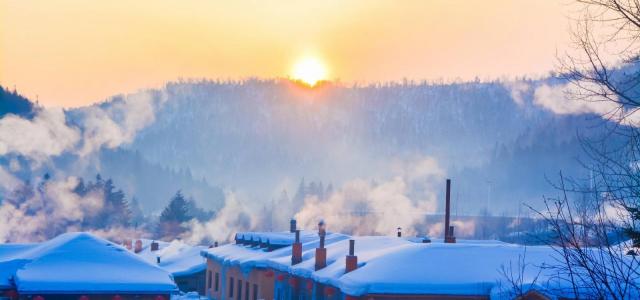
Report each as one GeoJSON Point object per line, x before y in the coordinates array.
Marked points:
{"type": "Point", "coordinates": [80, 263]}
{"type": "Point", "coordinates": [10, 261]}
{"type": "Point", "coordinates": [176, 257]}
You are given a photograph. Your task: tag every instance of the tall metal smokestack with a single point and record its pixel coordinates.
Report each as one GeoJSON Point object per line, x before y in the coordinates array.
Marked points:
{"type": "Point", "coordinates": [448, 230]}
{"type": "Point", "coordinates": [447, 212]}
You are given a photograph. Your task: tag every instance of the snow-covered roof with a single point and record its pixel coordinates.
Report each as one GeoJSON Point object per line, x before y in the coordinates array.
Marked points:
{"type": "Point", "coordinates": [176, 257]}
{"type": "Point", "coordinates": [438, 268]}
{"type": "Point", "coordinates": [284, 238]}
{"type": "Point", "coordinates": [248, 257]}
{"type": "Point", "coordinates": [10, 261]}
{"type": "Point", "coordinates": [390, 265]}
{"type": "Point", "coordinates": [83, 263]}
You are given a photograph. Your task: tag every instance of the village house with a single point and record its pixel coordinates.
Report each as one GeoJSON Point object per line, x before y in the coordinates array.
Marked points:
{"type": "Point", "coordinates": [79, 266]}
{"type": "Point", "coordinates": [367, 267]}
{"type": "Point", "coordinates": [245, 277]}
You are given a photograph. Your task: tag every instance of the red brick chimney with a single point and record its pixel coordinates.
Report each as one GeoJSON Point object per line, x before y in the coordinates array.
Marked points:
{"type": "Point", "coordinates": [351, 260]}
{"type": "Point", "coordinates": [296, 250]}
{"type": "Point", "coordinates": [138, 246]}
{"type": "Point", "coordinates": [448, 230]}
{"type": "Point", "coordinates": [321, 251]}
{"type": "Point", "coordinates": [127, 244]}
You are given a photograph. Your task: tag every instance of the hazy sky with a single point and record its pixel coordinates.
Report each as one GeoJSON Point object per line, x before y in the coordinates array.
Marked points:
{"type": "Point", "coordinates": [72, 53]}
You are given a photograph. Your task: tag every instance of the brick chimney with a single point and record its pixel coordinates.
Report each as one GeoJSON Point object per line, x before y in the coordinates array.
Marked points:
{"type": "Point", "coordinates": [448, 230]}
{"type": "Point", "coordinates": [138, 246]}
{"type": "Point", "coordinates": [292, 226]}
{"type": "Point", "coordinates": [351, 260]}
{"type": "Point", "coordinates": [321, 251]}
{"type": "Point", "coordinates": [296, 250]}
{"type": "Point", "coordinates": [155, 246]}
{"type": "Point", "coordinates": [127, 244]}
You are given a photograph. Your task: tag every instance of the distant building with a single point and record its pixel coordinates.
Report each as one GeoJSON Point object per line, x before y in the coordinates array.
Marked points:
{"type": "Point", "coordinates": [79, 266]}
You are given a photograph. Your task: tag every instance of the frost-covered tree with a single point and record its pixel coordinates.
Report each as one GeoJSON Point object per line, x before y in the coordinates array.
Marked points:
{"type": "Point", "coordinates": [595, 225]}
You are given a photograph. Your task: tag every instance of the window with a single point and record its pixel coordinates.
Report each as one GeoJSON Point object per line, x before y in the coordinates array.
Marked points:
{"type": "Point", "coordinates": [246, 291]}
{"type": "Point", "coordinates": [255, 292]}
{"type": "Point", "coordinates": [230, 287]}
{"type": "Point", "coordinates": [217, 282]}
{"type": "Point", "coordinates": [209, 280]}
{"type": "Point", "coordinates": [239, 289]}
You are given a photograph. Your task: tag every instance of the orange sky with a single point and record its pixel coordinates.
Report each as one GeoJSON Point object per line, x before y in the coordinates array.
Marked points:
{"type": "Point", "coordinates": [75, 52]}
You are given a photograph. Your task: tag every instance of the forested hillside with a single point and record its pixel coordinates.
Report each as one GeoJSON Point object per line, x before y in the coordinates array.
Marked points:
{"type": "Point", "coordinates": [258, 135]}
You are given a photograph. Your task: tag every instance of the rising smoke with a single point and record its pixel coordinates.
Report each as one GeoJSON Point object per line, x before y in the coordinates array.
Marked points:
{"type": "Point", "coordinates": [582, 98]}
{"type": "Point", "coordinates": [54, 208]}
{"type": "Point", "coordinates": [360, 206]}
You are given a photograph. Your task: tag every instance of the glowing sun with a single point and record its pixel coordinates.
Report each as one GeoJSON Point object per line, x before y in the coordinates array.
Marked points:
{"type": "Point", "coordinates": [309, 70]}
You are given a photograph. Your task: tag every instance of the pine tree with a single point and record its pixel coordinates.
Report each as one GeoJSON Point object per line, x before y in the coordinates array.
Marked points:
{"type": "Point", "coordinates": [173, 217]}
{"type": "Point", "coordinates": [115, 210]}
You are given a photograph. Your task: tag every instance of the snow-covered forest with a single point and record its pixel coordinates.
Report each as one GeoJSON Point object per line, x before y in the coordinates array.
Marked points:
{"type": "Point", "coordinates": [271, 135]}
{"type": "Point", "coordinates": [272, 146]}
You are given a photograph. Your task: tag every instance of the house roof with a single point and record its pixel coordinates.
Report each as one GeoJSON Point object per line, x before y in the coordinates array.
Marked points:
{"type": "Point", "coordinates": [177, 257]}
{"type": "Point", "coordinates": [248, 257]}
{"type": "Point", "coordinates": [284, 238]}
{"type": "Point", "coordinates": [447, 269]}
{"type": "Point", "coordinates": [83, 263]}
{"type": "Point", "coordinates": [10, 261]}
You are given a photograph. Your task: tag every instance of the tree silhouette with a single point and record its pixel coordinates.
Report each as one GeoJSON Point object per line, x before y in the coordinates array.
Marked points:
{"type": "Point", "coordinates": [173, 216]}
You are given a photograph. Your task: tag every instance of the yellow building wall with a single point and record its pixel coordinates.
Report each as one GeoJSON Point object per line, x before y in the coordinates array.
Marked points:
{"type": "Point", "coordinates": [256, 278]}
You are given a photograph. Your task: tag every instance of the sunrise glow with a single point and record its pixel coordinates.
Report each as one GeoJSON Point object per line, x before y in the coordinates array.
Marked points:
{"type": "Point", "coordinates": [309, 70]}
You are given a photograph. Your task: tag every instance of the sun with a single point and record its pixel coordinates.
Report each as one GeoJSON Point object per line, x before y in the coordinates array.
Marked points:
{"type": "Point", "coordinates": [309, 70]}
